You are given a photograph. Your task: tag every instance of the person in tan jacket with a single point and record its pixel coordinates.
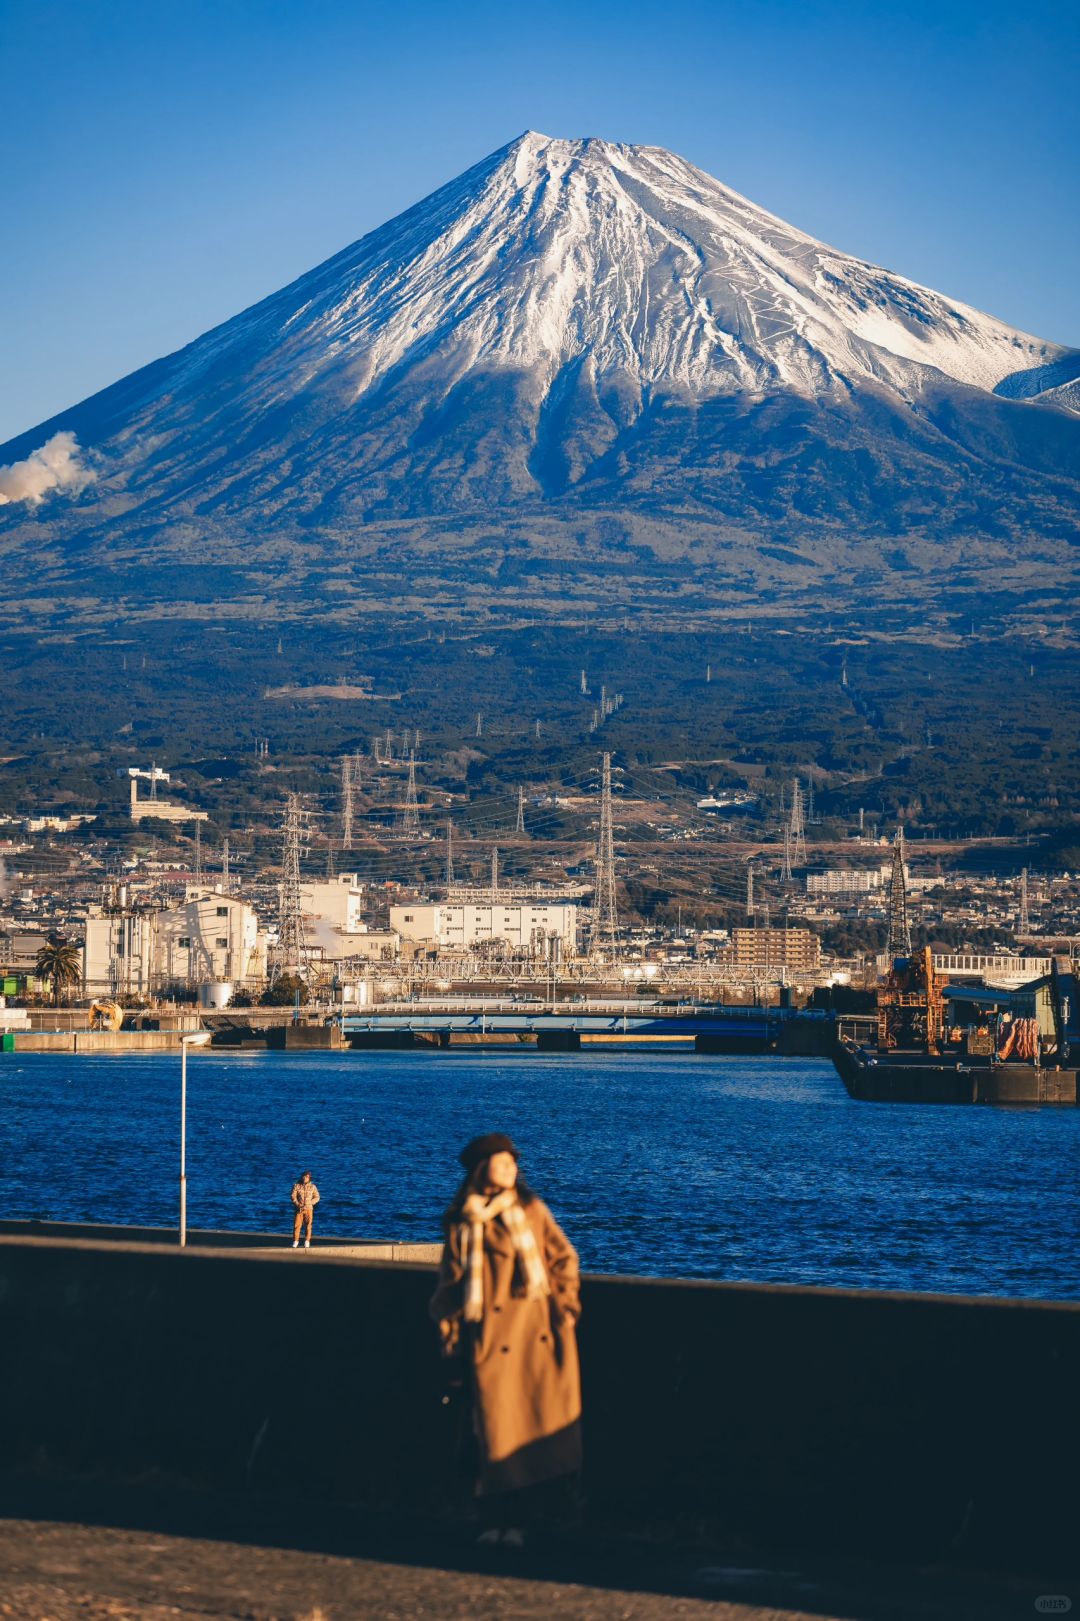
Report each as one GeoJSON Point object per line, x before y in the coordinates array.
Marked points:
{"type": "Point", "coordinates": [507, 1304]}
{"type": "Point", "coordinates": [305, 1196]}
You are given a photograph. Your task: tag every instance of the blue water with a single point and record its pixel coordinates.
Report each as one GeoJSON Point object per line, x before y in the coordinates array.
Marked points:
{"type": "Point", "coordinates": [677, 1165]}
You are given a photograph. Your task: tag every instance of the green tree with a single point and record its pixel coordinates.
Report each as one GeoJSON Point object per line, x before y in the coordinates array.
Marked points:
{"type": "Point", "coordinates": [284, 992]}
{"type": "Point", "coordinates": [60, 962]}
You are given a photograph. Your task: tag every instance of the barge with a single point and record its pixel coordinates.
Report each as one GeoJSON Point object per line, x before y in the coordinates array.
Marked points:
{"type": "Point", "coordinates": [914, 1077]}
{"type": "Point", "coordinates": [943, 1043]}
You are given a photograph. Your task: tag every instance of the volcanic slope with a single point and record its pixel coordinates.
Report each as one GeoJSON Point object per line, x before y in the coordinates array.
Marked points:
{"type": "Point", "coordinates": [582, 374]}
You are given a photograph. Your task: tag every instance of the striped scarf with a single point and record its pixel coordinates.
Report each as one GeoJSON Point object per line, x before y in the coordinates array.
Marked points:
{"type": "Point", "coordinates": [477, 1212]}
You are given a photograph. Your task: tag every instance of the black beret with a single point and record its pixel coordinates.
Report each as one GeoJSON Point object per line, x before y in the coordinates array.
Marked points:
{"type": "Point", "coordinates": [482, 1148]}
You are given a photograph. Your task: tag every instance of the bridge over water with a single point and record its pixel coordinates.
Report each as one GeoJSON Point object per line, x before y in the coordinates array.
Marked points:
{"type": "Point", "coordinates": [567, 1027]}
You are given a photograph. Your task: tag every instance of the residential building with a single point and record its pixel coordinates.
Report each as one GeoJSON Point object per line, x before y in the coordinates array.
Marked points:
{"type": "Point", "coordinates": [796, 950]}
{"type": "Point", "coordinates": [848, 881]}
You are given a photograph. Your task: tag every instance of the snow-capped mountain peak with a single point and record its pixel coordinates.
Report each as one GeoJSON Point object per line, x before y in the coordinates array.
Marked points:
{"type": "Point", "coordinates": [629, 260]}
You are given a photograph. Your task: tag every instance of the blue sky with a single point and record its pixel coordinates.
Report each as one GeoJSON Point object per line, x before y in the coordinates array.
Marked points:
{"type": "Point", "coordinates": [169, 162]}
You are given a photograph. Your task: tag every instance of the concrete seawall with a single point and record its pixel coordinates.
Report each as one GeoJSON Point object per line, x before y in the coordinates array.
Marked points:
{"type": "Point", "coordinates": [916, 1425]}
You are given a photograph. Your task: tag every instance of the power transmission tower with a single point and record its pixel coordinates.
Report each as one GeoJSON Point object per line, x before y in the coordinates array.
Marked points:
{"type": "Point", "coordinates": [198, 852]}
{"type": "Point", "coordinates": [749, 893]}
{"type": "Point", "coordinates": [449, 855]}
{"type": "Point", "coordinates": [899, 942]}
{"type": "Point", "coordinates": [292, 946]}
{"type": "Point", "coordinates": [225, 865]}
{"type": "Point", "coordinates": [797, 825]}
{"type": "Point", "coordinates": [479, 725]}
{"type": "Point", "coordinates": [410, 815]}
{"type": "Point", "coordinates": [1024, 919]}
{"type": "Point", "coordinates": [538, 731]}
{"type": "Point", "coordinates": [584, 685]}
{"type": "Point", "coordinates": [494, 871]}
{"type": "Point", "coordinates": [520, 824]}
{"type": "Point", "coordinates": [346, 802]}
{"type": "Point", "coordinates": [785, 871]}
{"type": "Point", "coordinates": [603, 939]}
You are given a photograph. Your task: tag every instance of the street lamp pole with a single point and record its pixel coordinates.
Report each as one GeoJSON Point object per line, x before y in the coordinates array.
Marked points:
{"type": "Point", "coordinates": [184, 1043]}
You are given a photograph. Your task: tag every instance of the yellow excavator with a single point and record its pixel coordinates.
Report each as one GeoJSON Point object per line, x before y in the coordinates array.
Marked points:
{"type": "Point", "coordinates": [106, 1015]}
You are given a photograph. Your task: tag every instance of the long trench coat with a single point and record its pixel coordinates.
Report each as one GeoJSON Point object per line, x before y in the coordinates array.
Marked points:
{"type": "Point", "coordinates": [526, 1382]}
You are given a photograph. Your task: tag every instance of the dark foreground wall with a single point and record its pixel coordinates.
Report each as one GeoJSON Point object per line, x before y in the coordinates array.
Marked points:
{"type": "Point", "coordinates": [922, 1426]}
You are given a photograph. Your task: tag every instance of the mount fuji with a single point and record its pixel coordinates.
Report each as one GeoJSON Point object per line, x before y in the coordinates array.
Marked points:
{"type": "Point", "coordinates": [581, 374]}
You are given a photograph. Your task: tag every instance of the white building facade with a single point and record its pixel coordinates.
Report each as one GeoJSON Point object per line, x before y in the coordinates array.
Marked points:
{"type": "Point", "coordinates": [542, 928]}
{"type": "Point", "coordinates": [207, 936]}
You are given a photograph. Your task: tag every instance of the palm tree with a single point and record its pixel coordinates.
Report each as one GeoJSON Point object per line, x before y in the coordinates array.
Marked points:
{"type": "Point", "coordinates": [59, 960]}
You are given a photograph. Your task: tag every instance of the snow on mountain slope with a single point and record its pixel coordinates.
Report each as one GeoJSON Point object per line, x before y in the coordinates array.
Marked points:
{"type": "Point", "coordinates": [551, 256]}
{"type": "Point", "coordinates": [553, 251]}
{"type": "Point", "coordinates": [584, 323]}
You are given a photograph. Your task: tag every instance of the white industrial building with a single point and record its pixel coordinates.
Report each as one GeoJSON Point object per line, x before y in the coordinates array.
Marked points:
{"type": "Point", "coordinates": [338, 902]}
{"type": "Point", "coordinates": [333, 923]}
{"type": "Point", "coordinates": [163, 810]}
{"type": "Point", "coordinates": [544, 928]}
{"type": "Point", "coordinates": [135, 950]}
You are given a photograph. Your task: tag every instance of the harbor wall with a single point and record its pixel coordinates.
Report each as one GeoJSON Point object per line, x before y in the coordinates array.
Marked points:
{"type": "Point", "coordinates": [920, 1426]}
{"type": "Point", "coordinates": [92, 1041]}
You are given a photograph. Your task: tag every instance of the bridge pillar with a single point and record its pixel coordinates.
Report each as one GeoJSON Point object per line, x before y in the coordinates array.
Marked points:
{"type": "Point", "coordinates": [558, 1041]}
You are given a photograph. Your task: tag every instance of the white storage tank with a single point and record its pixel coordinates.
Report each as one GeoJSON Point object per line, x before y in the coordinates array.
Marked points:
{"type": "Point", "coordinates": [217, 994]}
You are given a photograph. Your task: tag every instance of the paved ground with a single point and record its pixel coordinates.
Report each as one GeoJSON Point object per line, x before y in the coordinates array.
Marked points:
{"type": "Point", "coordinates": [75, 1572]}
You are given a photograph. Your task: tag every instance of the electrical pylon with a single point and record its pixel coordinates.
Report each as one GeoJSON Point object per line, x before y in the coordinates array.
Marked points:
{"type": "Point", "coordinates": [519, 826]}
{"type": "Point", "coordinates": [292, 946]}
{"type": "Point", "coordinates": [604, 935]}
{"type": "Point", "coordinates": [225, 865]}
{"type": "Point", "coordinates": [899, 942]}
{"type": "Point", "coordinates": [1024, 917]}
{"type": "Point", "coordinates": [494, 871]}
{"type": "Point", "coordinates": [479, 725]}
{"type": "Point", "coordinates": [346, 802]}
{"type": "Point", "coordinates": [449, 856]}
{"type": "Point", "coordinates": [198, 852]}
{"type": "Point", "coordinates": [410, 815]}
{"type": "Point", "coordinates": [749, 893]}
{"type": "Point", "coordinates": [797, 826]}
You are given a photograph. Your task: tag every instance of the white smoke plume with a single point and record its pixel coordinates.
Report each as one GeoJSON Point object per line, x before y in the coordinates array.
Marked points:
{"type": "Point", "coordinates": [58, 464]}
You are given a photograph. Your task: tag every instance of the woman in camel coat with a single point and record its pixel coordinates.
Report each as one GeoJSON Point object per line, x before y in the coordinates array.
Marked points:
{"type": "Point", "coordinates": [507, 1303]}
